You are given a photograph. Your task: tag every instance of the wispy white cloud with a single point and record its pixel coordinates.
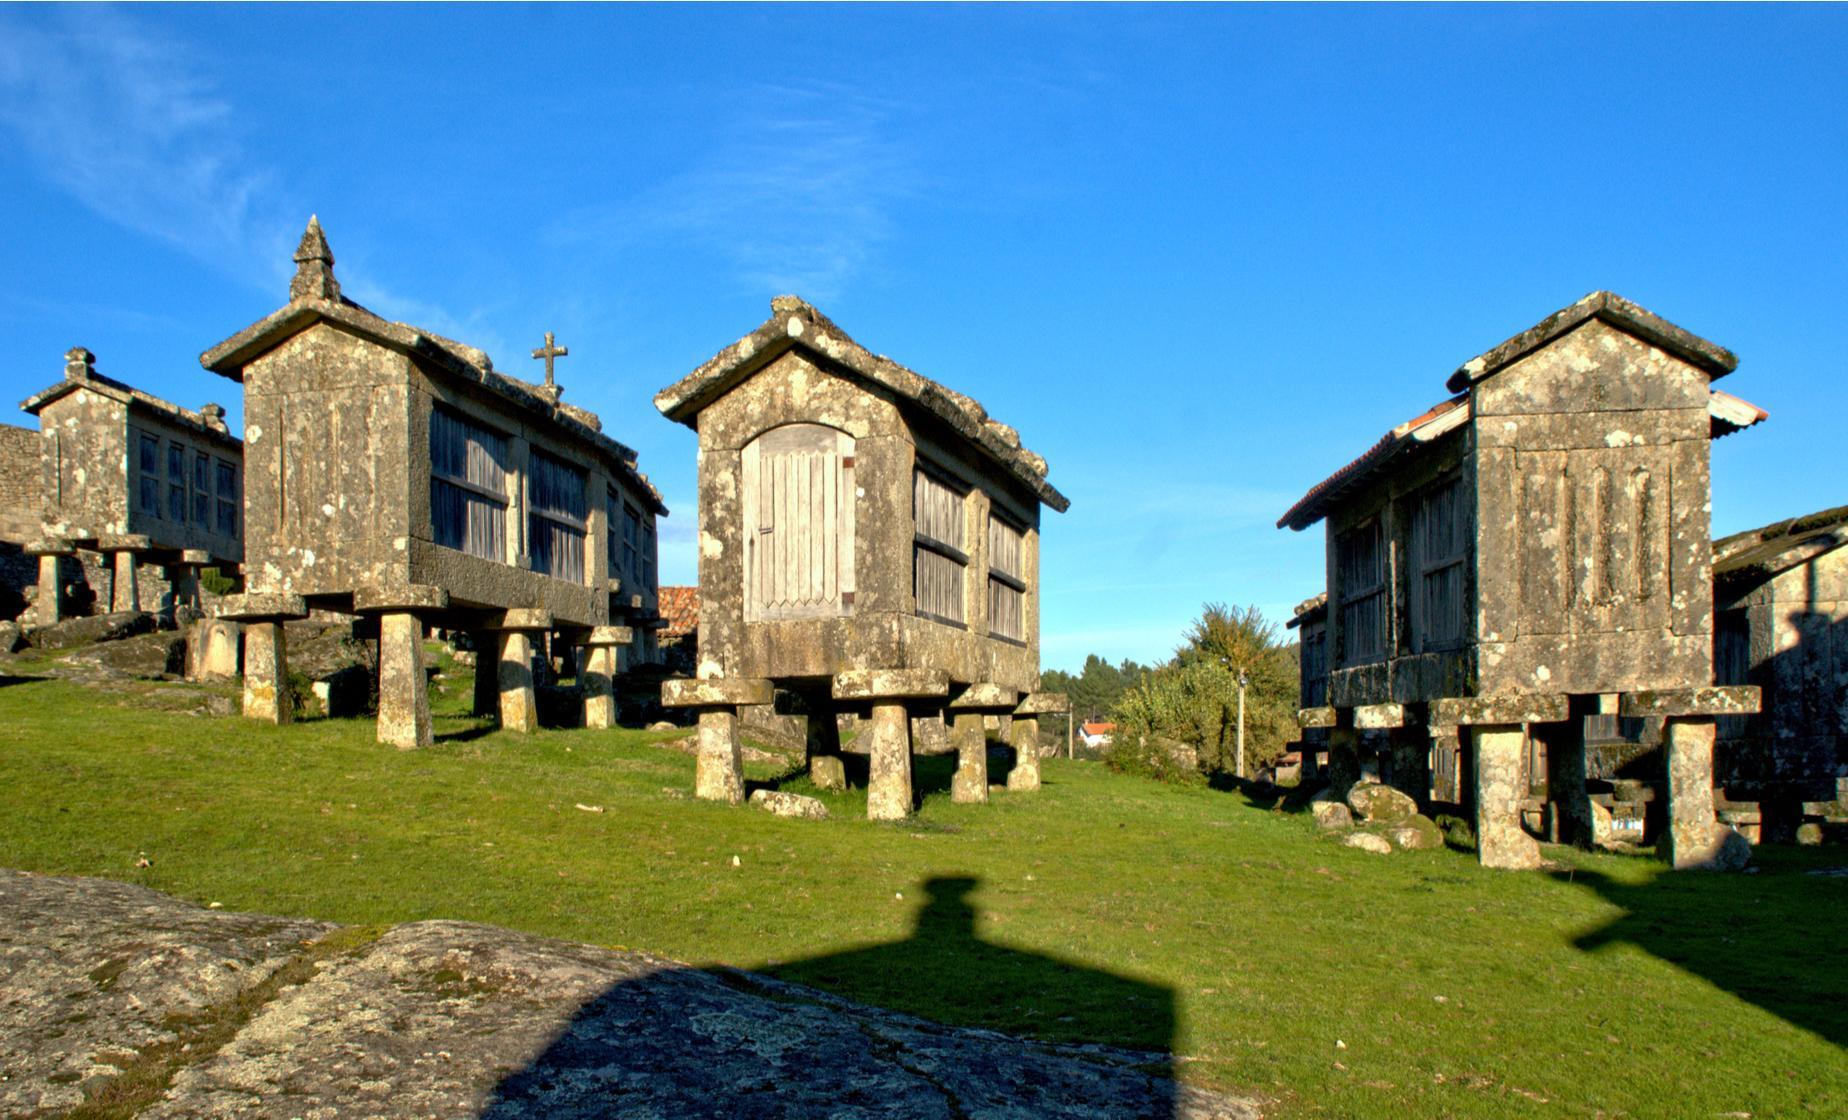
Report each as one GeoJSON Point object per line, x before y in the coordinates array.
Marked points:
{"type": "Point", "coordinates": [796, 198]}
{"type": "Point", "coordinates": [127, 121]}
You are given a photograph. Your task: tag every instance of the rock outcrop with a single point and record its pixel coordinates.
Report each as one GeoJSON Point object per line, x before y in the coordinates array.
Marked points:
{"type": "Point", "coordinates": [175, 1011]}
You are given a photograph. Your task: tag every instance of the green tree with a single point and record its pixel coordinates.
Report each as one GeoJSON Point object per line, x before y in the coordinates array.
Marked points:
{"type": "Point", "coordinates": [1193, 699]}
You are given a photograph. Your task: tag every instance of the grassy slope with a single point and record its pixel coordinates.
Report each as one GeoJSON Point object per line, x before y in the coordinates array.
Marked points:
{"type": "Point", "coordinates": [1102, 908]}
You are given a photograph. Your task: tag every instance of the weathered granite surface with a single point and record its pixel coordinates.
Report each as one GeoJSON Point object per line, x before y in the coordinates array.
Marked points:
{"type": "Point", "coordinates": [450, 1019]}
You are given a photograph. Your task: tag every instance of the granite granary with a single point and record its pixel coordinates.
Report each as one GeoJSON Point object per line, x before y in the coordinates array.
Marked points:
{"type": "Point", "coordinates": [1781, 624]}
{"type": "Point", "coordinates": [137, 479]}
{"type": "Point", "coordinates": [1522, 568]}
{"type": "Point", "coordinates": [868, 542]}
{"type": "Point", "coordinates": [397, 475]}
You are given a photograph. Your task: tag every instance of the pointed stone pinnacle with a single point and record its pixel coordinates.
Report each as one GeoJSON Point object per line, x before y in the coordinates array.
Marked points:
{"type": "Point", "coordinates": [314, 266]}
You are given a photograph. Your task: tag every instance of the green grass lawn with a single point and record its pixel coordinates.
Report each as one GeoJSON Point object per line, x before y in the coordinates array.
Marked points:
{"type": "Point", "coordinates": [1264, 957]}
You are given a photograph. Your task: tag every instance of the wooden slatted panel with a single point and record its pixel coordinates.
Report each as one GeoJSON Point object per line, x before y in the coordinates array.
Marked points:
{"type": "Point", "coordinates": [1007, 600]}
{"type": "Point", "coordinates": [468, 486]}
{"type": "Point", "coordinates": [1440, 539]}
{"type": "Point", "coordinates": [798, 522]}
{"type": "Point", "coordinates": [1362, 581]}
{"type": "Point", "coordinates": [938, 577]}
{"type": "Point", "coordinates": [557, 514]}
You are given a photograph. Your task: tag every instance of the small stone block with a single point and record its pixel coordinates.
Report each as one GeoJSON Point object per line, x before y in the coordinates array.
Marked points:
{"type": "Point", "coordinates": [1307, 718]}
{"type": "Point", "coordinates": [261, 605]}
{"type": "Point", "coordinates": [730, 692]}
{"type": "Point", "coordinates": [986, 695]}
{"type": "Point", "coordinates": [1043, 704]}
{"type": "Point", "coordinates": [1717, 700]}
{"type": "Point", "coordinates": [124, 542]}
{"type": "Point", "coordinates": [50, 546]}
{"type": "Point", "coordinates": [1502, 710]}
{"type": "Point", "coordinates": [1373, 717]}
{"type": "Point", "coordinates": [610, 636]}
{"type": "Point", "coordinates": [196, 556]}
{"type": "Point", "coordinates": [410, 597]}
{"type": "Point", "coordinates": [525, 618]}
{"type": "Point", "coordinates": [890, 684]}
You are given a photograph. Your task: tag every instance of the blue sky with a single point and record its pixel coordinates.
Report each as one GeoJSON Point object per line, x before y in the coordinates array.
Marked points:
{"type": "Point", "coordinates": [1199, 256]}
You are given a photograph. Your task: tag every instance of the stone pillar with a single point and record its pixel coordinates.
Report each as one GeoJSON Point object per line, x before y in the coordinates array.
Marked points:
{"type": "Point", "coordinates": [823, 746]}
{"type": "Point", "coordinates": [404, 699]}
{"type": "Point", "coordinates": [50, 605]}
{"type": "Point", "coordinates": [487, 672]}
{"type": "Point", "coordinates": [266, 661]}
{"type": "Point", "coordinates": [597, 674]}
{"type": "Point", "coordinates": [718, 773]}
{"type": "Point", "coordinates": [1343, 757]}
{"type": "Point", "coordinates": [1025, 776]}
{"type": "Point", "coordinates": [212, 652]}
{"type": "Point", "coordinates": [718, 769]}
{"type": "Point", "coordinates": [519, 705]}
{"type": "Point", "coordinates": [1693, 825]}
{"type": "Point", "coordinates": [125, 588]}
{"type": "Point", "coordinates": [1024, 735]}
{"type": "Point", "coordinates": [1411, 763]}
{"type": "Point", "coordinates": [888, 786]}
{"type": "Point", "coordinates": [968, 733]}
{"type": "Point", "coordinates": [1566, 791]}
{"type": "Point", "coordinates": [266, 672]}
{"type": "Point", "coordinates": [1500, 841]}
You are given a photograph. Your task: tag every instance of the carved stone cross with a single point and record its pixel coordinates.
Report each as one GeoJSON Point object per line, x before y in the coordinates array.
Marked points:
{"type": "Point", "coordinates": [548, 352]}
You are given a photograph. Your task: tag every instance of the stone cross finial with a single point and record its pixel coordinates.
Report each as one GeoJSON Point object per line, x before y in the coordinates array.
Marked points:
{"type": "Point", "coordinates": [548, 352]}
{"type": "Point", "coordinates": [314, 266]}
{"type": "Point", "coordinates": [79, 364]}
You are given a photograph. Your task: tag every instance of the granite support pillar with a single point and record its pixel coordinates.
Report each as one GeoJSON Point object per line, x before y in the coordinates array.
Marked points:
{"type": "Point", "coordinates": [1501, 843]}
{"type": "Point", "coordinates": [49, 608]}
{"type": "Point", "coordinates": [266, 672]}
{"type": "Point", "coordinates": [1694, 830]}
{"type": "Point", "coordinates": [969, 733]}
{"type": "Point", "coordinates": [404, 699]}
{"type": "Point", "coordinates": [1343, 757]}
{"type": "Point", "coordinates": [125, 588]}
{"type": "Point", "coordinates": [519, 702]}
{"type": "Point", "coordinates": [1024, 735]}
{"type": "Point", "coordinates": [597, 674]}
{"type": "Point", "coordinates": [888, 786]}
{"type": "Point", "coordinates": [718, 769]}
{"type": "Point", "coordinates": [823, 745]}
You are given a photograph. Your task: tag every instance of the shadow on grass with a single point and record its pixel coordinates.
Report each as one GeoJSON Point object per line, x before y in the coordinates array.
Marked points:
{"type": "Point", "coordinates": [466, 734]}
{"type": "Point", "coordinates": [669, 1044]}
{"type": "Point", "coordinates": [1772, 939]}
{"type": "Point", "coordinates": [6, 680]}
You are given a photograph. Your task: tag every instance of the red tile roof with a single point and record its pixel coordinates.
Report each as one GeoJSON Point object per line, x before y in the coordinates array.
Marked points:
{"type": "Point", "coordinates": [680, 607]}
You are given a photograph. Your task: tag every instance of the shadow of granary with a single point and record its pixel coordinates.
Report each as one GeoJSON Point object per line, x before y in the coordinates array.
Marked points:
{"type": "Point", "coordinates": [1736, 932]}
{"type": "Point", "coordinates": [797, 1052]}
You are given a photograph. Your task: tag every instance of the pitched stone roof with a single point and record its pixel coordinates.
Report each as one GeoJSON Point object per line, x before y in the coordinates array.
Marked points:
{"type": "Point", "coordinates": [314, 297]}
{"type": "Point", "coordinates": [794, 324]}
{"type": "Point", "coordinates": [1308, 610]}
{"type": "Point", "coordinates": [679, 610]}
{"type": "Point", "coordinates": [1758, 554]}
{"type": "Point", "coordinates": [80, 373]}
{"type": "Point", "coordinates": [1716, 360]}
{"type": "Point", "coordinates": [1727, 413]}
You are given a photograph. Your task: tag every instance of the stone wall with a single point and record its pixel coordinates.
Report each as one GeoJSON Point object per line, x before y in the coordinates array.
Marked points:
{"type": "Point", "coordinates": [22, 499]}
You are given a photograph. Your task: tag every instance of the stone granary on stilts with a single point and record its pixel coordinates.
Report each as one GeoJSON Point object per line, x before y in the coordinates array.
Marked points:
{"type": "Point", "coordinates": [397, 475]}
{"type": "Point", "coordinates": [1781, 623]}
{"type": "Point", "coordinates": [135, 478]}
{"type": "Point", "coordinates": [1528, 561]}
{"type": "Point", "coordinates": [868, 543]}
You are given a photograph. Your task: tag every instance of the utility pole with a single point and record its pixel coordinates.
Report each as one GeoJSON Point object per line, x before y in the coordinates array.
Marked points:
{"type": "Point", "coordinates": [1243, 679]}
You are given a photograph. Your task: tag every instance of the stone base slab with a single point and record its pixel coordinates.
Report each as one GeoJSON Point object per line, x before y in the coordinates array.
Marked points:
{"type": "Point", "coordinates": [1043, 704]}
{"type": "Point", "coordinates": [411, 597]}
{"type": "Point", "coordinates": [50, 546]}
{"type": "Point", "coordinates": [728, 692]}
{"type": "Point", "coordinates": [1502, 710]}
{"type": "Point", "coordinates": [1311, 718]}
{"type": "Point", "coordinates": [124, 542]}
{"type": "Point", "coordinates": [1715, 700]}
{"type": "Point", "coordinates": [268, 605]}
{"type": "Point", "coordinates": [1379, 717]}
{"type": "Point", "coordinates": [523, 618]}
{"type": "Point", "coordinates": [986, 696]}
{"type": "Point", "coordinates": [890, 684]}
{"type": "Point", "coordinates": [610, 636]}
